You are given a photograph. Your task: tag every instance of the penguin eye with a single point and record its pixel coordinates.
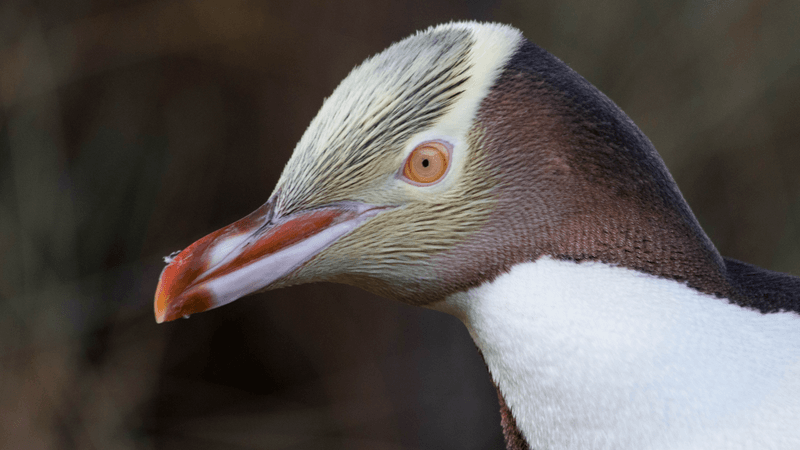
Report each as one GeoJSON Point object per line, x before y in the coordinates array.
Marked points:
{"type": "Point", "coordinates": [428, 163]}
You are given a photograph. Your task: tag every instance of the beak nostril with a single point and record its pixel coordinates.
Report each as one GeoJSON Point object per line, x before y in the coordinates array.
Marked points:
{"type": "Point", "coordinates": [270, 215]}
{"type": "Point", "coordinates": [271, 212]}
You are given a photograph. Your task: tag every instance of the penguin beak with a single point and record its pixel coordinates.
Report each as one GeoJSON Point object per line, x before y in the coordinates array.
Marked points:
{"type": "Point", "coordinates": [250, 255]}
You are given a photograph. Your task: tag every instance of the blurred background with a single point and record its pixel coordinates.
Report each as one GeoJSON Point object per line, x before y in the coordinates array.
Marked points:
{"type": "Point", "coordinates": [129, 129]}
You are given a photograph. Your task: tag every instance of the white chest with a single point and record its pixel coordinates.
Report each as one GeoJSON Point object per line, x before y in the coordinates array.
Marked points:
{"type": "Point", "coordinates": [591, 356]}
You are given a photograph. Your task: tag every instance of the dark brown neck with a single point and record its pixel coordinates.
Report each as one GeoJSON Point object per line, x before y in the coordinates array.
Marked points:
{"type": "Point", "coordinates": [577, 180]}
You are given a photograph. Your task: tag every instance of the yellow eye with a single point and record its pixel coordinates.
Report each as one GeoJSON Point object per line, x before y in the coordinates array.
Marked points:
{"type": "Point", "coordinates": [427, 163]}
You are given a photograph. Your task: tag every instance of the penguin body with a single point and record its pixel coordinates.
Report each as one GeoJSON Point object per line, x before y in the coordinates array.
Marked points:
{"type": "Point", "coordinates": [601, 356]}
{"type": "Point", "coordinates": [466, 170]}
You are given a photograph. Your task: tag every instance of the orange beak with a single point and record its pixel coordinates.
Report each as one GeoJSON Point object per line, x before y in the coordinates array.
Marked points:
{"type": "Point", "coordinates": [249, 255]}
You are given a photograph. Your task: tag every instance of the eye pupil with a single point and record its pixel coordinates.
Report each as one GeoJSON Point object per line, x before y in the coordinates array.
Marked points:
{"type": "Point", "coordinates": [425, 163]}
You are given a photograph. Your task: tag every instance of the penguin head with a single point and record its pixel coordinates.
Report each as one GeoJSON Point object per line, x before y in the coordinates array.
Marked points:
{"type": "Point", "coordinates": [434, 166]}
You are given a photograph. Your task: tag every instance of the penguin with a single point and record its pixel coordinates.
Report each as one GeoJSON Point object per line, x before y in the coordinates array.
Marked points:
{"type": "Point", "coordinates": [466, 170]}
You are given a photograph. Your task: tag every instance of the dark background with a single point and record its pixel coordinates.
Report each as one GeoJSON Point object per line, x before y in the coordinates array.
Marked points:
{"type": "Point", "coordinates": [129, 129]}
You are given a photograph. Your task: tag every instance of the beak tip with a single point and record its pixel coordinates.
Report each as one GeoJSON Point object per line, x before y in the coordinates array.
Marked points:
{"type": "Point", "coordinates": [167, 308]}
{"type": "Point", "coordinates": [161, 297]}
{"type": "Point", "coordinates": [160, 307]}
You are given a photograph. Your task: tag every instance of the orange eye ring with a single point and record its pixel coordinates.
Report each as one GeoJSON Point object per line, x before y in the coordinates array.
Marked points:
{"type": "Point", "coordinates": [427, 163]}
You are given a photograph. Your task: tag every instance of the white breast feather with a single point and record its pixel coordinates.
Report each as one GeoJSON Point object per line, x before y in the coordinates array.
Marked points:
{"type": "Point", "coordinates": [590, 356]}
